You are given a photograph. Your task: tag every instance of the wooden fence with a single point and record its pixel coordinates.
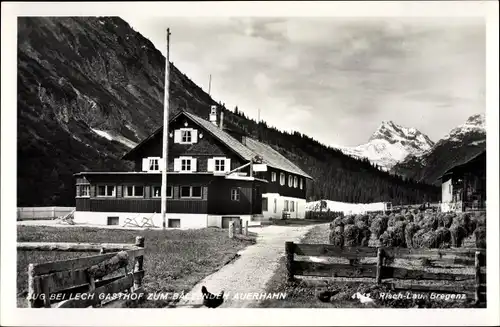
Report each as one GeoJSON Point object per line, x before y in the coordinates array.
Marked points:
{"type": "Point", "coordinates": [475, 284]}
{"type": "Point", "coordinates": [323, 215]}
{"type": "Point", "coordinates": [34, 213]}
{"type": "Point", "coordinates": [80, 283]}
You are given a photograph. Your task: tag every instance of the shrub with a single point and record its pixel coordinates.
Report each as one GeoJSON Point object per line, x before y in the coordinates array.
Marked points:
{"type": "Point", "coordinates": [429, 240]}
{"type": "Point", "coordinates": [409, 218]}
{"type": "Point", "coordinates": [336, 236]}
{"type": "Point", "coordinates": [463, 219]}
{"type": "Point", "coordinates": [394, 236]}
{"type": "Point", "coordinates": [458, 234]}
{"type": "Point", "coordinates": [446, 220]}
{"type": "Point", "coordinates": [337, 222]}
{"type": "Point", "coordinates": [351, 235]}
{"type": "Point", "coordinates": [480, 234]}
{"type": "Point", "coordinates": [364, 236]}
{"type": "Point", "coordinates": [348, 220]}
{"type": "Point", "coordinates": [417, 238]}
{"type": "Point", "coordinates": [410, 230]}
{"type": "Point", "coordinates": [429, 222]}
{"type": "Point", "coordinates": [378, 226]}
{"type": "Point", "coordinates": [479, 219]}
{"type": "Point", "coordinates": [443, 236]}
{"type": "Point", "coordinates": [358, 219]}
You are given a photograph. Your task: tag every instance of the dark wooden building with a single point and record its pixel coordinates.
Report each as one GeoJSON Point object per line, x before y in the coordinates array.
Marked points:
{"type": "Point", "coordinates": [464, 186]}
{"type": "Point", "coordinates": [213, 176]}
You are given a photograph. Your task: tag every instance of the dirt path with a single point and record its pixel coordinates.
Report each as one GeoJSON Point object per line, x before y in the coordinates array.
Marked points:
{"type": "Point", "coordinates": [251, 271]}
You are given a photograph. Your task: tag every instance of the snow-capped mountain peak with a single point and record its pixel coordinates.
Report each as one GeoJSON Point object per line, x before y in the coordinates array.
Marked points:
{"type": "Point", "coordinates": [475, 123]}
{"type": "Point", "coordinates": [390, 144]}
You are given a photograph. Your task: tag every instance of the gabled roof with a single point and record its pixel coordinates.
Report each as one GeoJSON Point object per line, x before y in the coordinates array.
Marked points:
{"type": "Point", "coordinates": [246, 151]}
{"type": "Point", "coordinates": [273, 158]}
{"type": "Point", "coordinates": [464, 164]}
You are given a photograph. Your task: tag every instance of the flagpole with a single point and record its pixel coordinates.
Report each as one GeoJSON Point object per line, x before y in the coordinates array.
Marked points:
{"type": "Point", "coordinates": [166, 100]}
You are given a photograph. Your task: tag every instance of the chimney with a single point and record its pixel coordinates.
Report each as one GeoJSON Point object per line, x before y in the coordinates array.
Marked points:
{"type": "Point", "coordinates": [221, 125]}
{"type": "Point", "coordinates": [213, 115]}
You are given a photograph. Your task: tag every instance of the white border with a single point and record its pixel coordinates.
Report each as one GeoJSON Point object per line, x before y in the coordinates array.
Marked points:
{"type": "Point", "coordinates": [10, 315]}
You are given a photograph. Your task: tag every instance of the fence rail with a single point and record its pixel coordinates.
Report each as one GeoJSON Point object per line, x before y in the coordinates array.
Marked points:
{"type": "Point", "coordinates": [56, 283]}
{"type": "Point", "coordinates": [475, 283]}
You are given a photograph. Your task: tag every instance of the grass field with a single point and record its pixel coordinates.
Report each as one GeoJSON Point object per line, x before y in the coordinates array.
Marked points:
{"type": "Point", "coordinates": [302, 292]}
{"type": "Point", "coordinates": [174, 260]}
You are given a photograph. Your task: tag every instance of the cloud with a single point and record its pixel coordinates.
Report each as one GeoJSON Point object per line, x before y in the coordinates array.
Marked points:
{"type": "Point", "coordinates": [335, 79]}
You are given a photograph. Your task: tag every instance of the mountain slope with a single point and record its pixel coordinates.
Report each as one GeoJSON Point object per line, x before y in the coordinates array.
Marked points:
{"type": "Point", "coordinates": [461, 144]}
{"type": "Point", "coordinates": [390, 144]}
{"type": "Point", "coordinates": [91, 87]}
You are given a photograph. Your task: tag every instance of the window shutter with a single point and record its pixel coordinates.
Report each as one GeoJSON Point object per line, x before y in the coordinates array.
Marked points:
{"type": "Point", "coordinates": [193, 164]}
{"type": "Point", "coordinates": [160, 164]}
{"type": "Point", "coordinates": [119, 189]}
{"type": "Point", "coordinates": [78, 190]}
{"type": "Point", "coordinates": [194, 136]}
{"type": "Point", "coordinates": [177, 136]}
{"type": "Point", "coordinates": [227, 165]}
{"type": "Point", "coordinates": [145, 164]}
{"type": "Point", "coordinates": [177, 164]}
{"type": "Point", "coordinates": [211, 165]}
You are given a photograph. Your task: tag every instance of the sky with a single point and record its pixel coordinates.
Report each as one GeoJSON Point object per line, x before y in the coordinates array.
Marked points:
{"type": "Point", "coordinates": [334, 79]}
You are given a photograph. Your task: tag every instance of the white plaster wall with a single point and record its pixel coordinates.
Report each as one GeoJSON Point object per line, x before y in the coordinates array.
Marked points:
{"type": "Point", "coordinates": [101, 218]}
{"type": "Point", "coordinates": [216, 220]}
{"type": "Point", "coordinates": [300, 206]}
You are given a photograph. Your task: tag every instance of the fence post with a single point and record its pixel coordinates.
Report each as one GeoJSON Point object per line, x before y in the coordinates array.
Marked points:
{"type": "Point", "coordinates": [380, 255]}
{"type": "Point", "coordinates": [139, 264]}
{"type": "Point", "coordinates": [231, 229]}
{"type": "Point", "coordinates": [289, 251]}
{"type": "Point", "coordinates": [245, 231]}
{"type": "Point", "coordinates": [478, 275]}
{"type": "Point", "coordinates": [53, 212]}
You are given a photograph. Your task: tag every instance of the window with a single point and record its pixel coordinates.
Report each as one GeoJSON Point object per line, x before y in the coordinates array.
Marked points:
{"type": "Point", "coordinates": [235, 194]}
{"type": "Point", "coordinates": [106, 190]}
{"type": "Point", "coordinates": [220, 164]}
{"type": "Point", "coordinates": [275, 207]}
{"type": "Point", "coordinates": [156, 191]}
{"type": "Point", "coordinates": [273, 177]}
{"type": "Point", "coordinates": [196, 192]}
{"type": "Point", "coordinates": [174, 223]}
{"type": "Point", "coordinates": [450, 187]}
{"type": "Point", "coordinates": [83, 190]}
{"type": "Point", "coordinates": [301, 183]}
{"type": "Point", "coordinates": [133, 191]}
{"type": "Point", "coordinates": [292, 206]}
{"type": "Point", "coordinates": [264, 204]}
{"type": "Point", "coordinates": [285, 208]}
{"type": "Point", "coordinates": [190, 191]}
{"type": "Point", "coordinates": [282, 179]}
{"type": "Point", "coordinates": [154, 164]}
{"type": "Point", "coordinates": [290, 180]}
{"type": "Point", "coordinates": [295, 181]}
{"type": "Point", "coordinates": [186, 136]}
{"type": "Point", "coordinates": [185, 164]}
{"type": "Point", "coordinates": [113, 220]}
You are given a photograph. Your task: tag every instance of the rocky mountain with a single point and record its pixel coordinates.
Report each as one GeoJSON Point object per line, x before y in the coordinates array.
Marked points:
{"type": "Point", "coordinates": [89, 88]}
{"type": "Point", "coordinates": [458, 146]}
{"type": "Point", "coordinates": [391, 144]}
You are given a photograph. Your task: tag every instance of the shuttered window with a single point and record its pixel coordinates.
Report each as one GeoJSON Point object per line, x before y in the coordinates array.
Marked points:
{"type": "Point", "coordinates": [191, 192]}
{"type": "Point", "coordinates": [133, 191]}
{"type": "Point", "coordinates": [106, 190]}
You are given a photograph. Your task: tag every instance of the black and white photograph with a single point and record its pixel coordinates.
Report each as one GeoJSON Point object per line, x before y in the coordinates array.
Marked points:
{"type": "Point", "coordinates": [173, 157]}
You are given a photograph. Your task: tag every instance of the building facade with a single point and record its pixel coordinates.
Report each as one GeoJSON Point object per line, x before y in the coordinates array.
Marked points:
{"type": "Point", "coordinates": [213, 177]}
{"type": "Point", "coordinates": [463, 187]}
